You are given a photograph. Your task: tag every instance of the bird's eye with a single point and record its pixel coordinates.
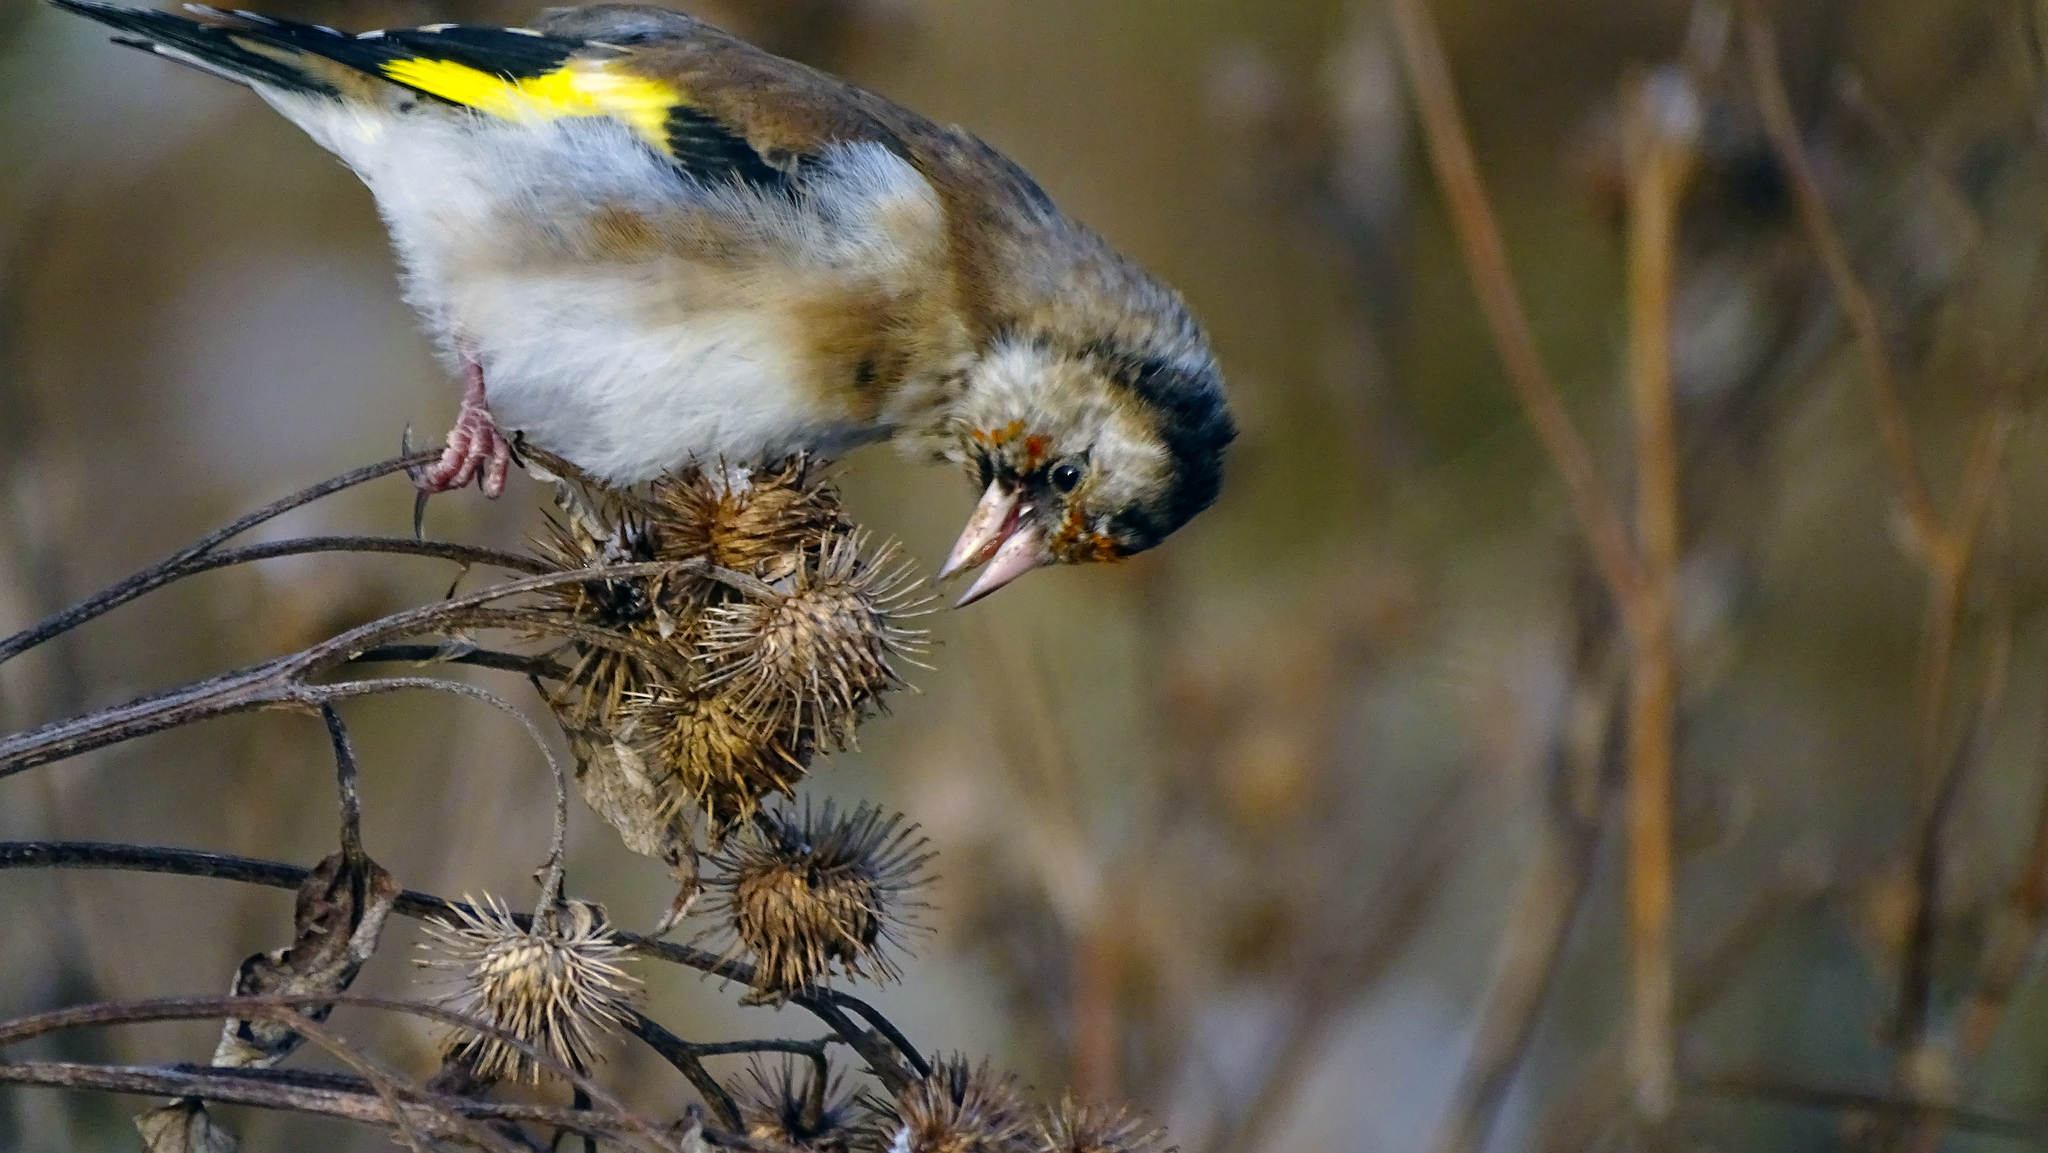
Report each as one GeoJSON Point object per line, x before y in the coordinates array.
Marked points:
{"type": "Point", "coordinates": [1066, 476]}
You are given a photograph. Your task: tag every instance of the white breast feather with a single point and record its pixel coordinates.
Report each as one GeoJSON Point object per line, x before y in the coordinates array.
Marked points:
{"type": "Point", "coordinates": [632, 366]}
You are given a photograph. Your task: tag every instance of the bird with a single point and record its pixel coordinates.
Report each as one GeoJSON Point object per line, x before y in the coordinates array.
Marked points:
{"type": "Point", "coordinates": [643, 243]}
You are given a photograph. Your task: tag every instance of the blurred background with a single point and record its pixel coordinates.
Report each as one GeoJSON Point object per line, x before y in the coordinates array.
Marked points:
{"type": "Point", "coordinates": [1301, 832]}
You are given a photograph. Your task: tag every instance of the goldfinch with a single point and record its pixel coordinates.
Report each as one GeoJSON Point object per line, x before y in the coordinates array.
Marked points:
{"type": "Point", "coordinates": [644, 243]}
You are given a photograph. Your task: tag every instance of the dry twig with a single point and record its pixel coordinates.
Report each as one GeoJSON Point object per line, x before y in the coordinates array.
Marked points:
{"type": "Point", "coordinates": [1450, 149]}
{"type": "Point", "coordinates": [1945, 547]}
{"type": "Point", "coordinates": [285, 1007]}
{"type": "Point", "coordinates": [1531, 952]}
{"type": "Point", "coordinates": [886, 1050]}
{"type": "Point", "coordinates": [1663, 120]}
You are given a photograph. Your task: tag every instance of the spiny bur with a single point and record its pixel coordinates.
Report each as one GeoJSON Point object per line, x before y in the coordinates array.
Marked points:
{"type": "Point", "coordinates": [708, 688]}
{"type": "Point", "coordinates": [619, 628]}
{"type": "Point", "coordinates": [960, 1108]}
{"type": "Point", "coordinates": [558, 984]}
{"type": "Point", "coordinates": [785, 1110]}
{"type": "Point", "coordinates": [756, 522]}
{"type": "Point", "coordinates": [1084, 1127]}
{"type": "Point", "coordinates": [809, 653]}
{"type": "Point", "coordinates": [809, 893]}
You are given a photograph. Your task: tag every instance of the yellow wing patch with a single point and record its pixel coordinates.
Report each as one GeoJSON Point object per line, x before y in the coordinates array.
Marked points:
{"type": "Point", "coordinates": [578, 88]}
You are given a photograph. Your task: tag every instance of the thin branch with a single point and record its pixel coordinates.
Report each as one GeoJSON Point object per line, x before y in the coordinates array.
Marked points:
{"type": "Point", "coordinates": [886, 1028]}
{"type": "Point", "coordinates": [306, 496]}
{"type": "Point", "coordinates": [1464, 192]}
{"type": "Point", "coordinates": [315, 1094]}
{"type": "Point", "coordinates": [522, 663]}
{"type": "Point", "coordinates": [826, 1005]}
{"type": "Point", "coordinates": [1915, 500]}
{"type": "Point", "coordinates": [346, 778]}
{"type": "Point", "coordinates": [1663, 119]}
{"type": "Point", "coordinates": [1942, 770]}
{"type": "Point", "coordinates": [551, 883]}
{"type": "Point", "coordinates": [1983, 479]}
{"type": "Point", "coordinates": [1532, 948]}
{"type": "Point", "coordinates": [277, 875]}
{"type": "Point", "coordinates": [278, 683]}
{"type": "Point", "coordinates": [577, 1100]}
{"type": "Point", "coordinates": [688, 1060]}
{"type": "Point", "coordinates": [1861, 1101]}
{"type": "Point", "coordinates": [821, 1081]}
{"type": "Point", "coordinates": [1916, 979]}
{"type": "Point", "coordinates": [2009, 946]}
{"type": "Point", "coordinates": [1916, 1024]}
{"type": "Point", "coordinates": [541, 621]}
{"type": "Point", "coordinates": [346, 646]}
{"type": "Point", "coordinates": [194, 559]}
{"type": "Point", "coordinates": [1662, 122]}
{"type": "Point", "coordinates": [738, 1048]}
{"type": "Point", "coordinates": [282, 1007]}
{"type": "Point", "coordinates": [1947, 585]}
{"type": "Point", "coordinates": [181, 863]}
{"type": "Point", "coordinates": [880, 1057]}
{"type": "Point", "coordinates": [1947, 592]}
{"type": "Point", "coordinates": [385, 1085]}
{"type": "Point", "coordinates": [158, 576]}
{"type": "Point", "coordinates": [1946, 549]}
{"type": "Point", "coordinates": [240, 691]}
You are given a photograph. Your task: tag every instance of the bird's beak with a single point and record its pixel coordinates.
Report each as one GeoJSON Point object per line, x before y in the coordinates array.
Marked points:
{"type": "Point", "coordinates": [993, 520]}
{"type": "Point", "coordinates": [1021, 551]}
{"type": "Point", "coordinates": [999, 536]}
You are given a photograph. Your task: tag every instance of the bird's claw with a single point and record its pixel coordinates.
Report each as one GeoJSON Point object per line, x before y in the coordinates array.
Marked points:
{"type": "Point", "coordinates": [476, 451]}
{"type": "Point", "coordinates": [685, 898]}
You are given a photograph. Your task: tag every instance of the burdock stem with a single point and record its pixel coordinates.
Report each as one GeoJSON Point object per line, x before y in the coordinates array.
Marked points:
{"type": "Point", "coordinates": [285, 1008]}
{"type": "Point", "coordinates": [280, 683]}
{"type": "Point", "coordinates": [1478, 232]}
{"type": "Point", "coordinates": [886, 1059]}
{"type": "Point", "coordinates": [196, 557]}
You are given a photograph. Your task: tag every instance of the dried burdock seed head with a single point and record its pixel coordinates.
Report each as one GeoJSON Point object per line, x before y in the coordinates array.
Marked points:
{"type": "Point", "coordinates": [785, 1110]}
{"type": "Point", "coordinates": [812, 651]}
{"type": "Point", "coordinates": [560, 985]}
{"type": "Point", "coordinates": [608, 530]}
{"type": "Point", "coordinates": [960, 1108]}
{"type": "Point", "coordinates": [807, 895]}
{"type": "Point", "coordinates": [757, 522]}
{"type": "Point", "coordinates": [1080, 1127]}
{"type": "Point", "coordinates": [711, 687]}
{"type": "Point", "coordinates": [710, 755]}
{"type": "Point", "coordinates": [612, 531]}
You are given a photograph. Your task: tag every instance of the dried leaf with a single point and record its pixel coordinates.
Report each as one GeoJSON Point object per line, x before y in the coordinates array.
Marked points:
{"type": "Point", "coordinates": [613, 777]}
{"type": "Point", "coordinates": [183, 1126]}
{"type": "Point", "coordinates": [615, 782]}
{"type": "Point", "coordinates": [339, 916]}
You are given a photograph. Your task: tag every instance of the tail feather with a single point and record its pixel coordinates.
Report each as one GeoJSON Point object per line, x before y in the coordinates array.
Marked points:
{"type": "Point", "coordinates": [252, 48]}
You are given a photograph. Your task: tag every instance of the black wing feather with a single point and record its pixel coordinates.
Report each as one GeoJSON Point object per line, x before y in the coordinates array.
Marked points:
{"type": "Point", "coordinates": [701, 145]}
{"type": "Point", "coordinates": [215, 46]}
{"type": "Point", "coordinates": [223, 39]}
{"type": "Point", "coordinates": [697, 142]}
{"type": "Point", "coordinates": [514, 55]}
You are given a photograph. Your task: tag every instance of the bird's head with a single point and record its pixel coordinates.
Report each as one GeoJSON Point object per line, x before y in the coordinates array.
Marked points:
{"type": "Point", "coordinates": [1085, 450]}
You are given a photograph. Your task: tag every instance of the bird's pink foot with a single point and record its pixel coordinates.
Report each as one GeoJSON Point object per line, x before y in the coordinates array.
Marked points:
{"type": "Point", "coordinates": [477, 450]}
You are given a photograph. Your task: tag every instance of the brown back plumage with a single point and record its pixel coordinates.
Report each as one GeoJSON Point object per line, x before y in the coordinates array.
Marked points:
{"type": "Point", "coordinates": [788, 113]}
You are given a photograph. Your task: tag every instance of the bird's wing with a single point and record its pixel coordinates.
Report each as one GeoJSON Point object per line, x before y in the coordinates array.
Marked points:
{"type": "Point", "coordinates": [736, 108]}
{"type": "Point", "coordinates": [716, 106]}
